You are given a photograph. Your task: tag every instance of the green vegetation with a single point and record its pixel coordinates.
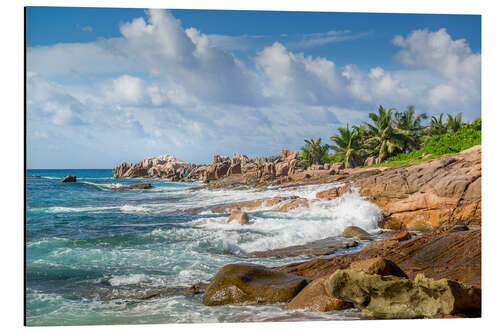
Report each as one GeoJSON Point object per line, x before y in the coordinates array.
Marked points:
{"type": "Point", "coordinates": [314, 152]}
{"type": "Point", "coordinates": [395, 138]}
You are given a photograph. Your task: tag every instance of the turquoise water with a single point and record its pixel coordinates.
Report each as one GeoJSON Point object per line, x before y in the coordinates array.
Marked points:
{"type": "Point", "coordinates": [90, 250]}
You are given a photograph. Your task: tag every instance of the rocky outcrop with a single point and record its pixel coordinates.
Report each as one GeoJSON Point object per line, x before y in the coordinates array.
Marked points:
{"type": "Point", "coordinates": [146, 186]}
{"type": "Point", "coordinates": [451, 255]}
{"type": "Point", "coordinates": [278, 203]}
{"type": "Point", "coordinates": [69, 179]}
{"type": "Point", "coordinates": [166, 166]}
{"type": "Point", "coordinates": [315, 298]}
{"type": "Point", "coordinates": [392, 297]}
{"type": "Point", "coordinates": [335, 192]}
{"type": "Point", "coordinates": [380, 266]}
{"type": "Point", "coordinates": [247, 283]}
{"type": "Point", "coordinates": [356, 232]}
{"type": "Point", "coordinates": [428, 194]}
{"type": "Point", "coordinates": [239, 216]}
{"type": "Point", "coordinates": [320, 247]}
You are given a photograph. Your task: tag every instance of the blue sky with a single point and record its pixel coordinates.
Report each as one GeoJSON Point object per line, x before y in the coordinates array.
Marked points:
{"type": "Point", "coordinates": [112, 85]}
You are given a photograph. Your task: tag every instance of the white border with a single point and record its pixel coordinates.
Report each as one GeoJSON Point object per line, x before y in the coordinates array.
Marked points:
{"type": "Point", "coordinates": [12, 159]}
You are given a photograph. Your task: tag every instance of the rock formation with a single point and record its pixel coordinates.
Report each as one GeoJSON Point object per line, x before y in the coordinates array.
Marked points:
{"type": "Point", "coordinates": [247, 283]}
{"type": "Point", "coordinates": [166, 166]}
{"type": "Point", "coordinates": [69, 179]}
{"type": "Point", "coordinates": [392, 297]}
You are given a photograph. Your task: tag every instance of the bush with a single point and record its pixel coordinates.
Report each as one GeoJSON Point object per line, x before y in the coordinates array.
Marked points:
{"type": "Point", "coordinates": [464, 138]}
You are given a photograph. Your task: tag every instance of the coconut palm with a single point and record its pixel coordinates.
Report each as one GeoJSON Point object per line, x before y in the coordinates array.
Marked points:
{"type": "Point", "coordinates": [437, 126]}
{"type": "Point", "coordinates": [314, 152]}
{"type": "Point", "coordinates": [454, 123]}
{"type": "Point", "coordinates": [410, 125]}
{"type": "Point", "coordinates": [347, 145]}
{"type": "Point", "coordinates": [383, 136]}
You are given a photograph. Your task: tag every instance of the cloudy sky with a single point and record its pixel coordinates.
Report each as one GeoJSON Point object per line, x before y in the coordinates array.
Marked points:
{"type": "Point", "coordinates": [112, 85]}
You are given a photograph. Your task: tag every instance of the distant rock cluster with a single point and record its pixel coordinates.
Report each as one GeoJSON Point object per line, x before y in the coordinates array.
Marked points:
{"type": "Point", "coordinates": [259, 169]}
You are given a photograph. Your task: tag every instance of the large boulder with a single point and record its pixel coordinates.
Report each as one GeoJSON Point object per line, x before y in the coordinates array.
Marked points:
{"type": "Point", "coordinates": [248, 283]}
{"type": "Point", "coordinates": [356, 232]}
{"type": "Point", "coordinates": [429, 194]}
{"type": "Point", "coordinates": [239, 216]}
{"type": "Point", "coordinates": [69, 179]}
{"type": "Point", "coordinates": [392, 297]}
{"type": "Point", "coordinates": [315, 298]}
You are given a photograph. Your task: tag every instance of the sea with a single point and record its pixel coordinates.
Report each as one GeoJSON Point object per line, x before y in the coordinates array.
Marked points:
{"type": "Point", "coordinates": [91, 252]}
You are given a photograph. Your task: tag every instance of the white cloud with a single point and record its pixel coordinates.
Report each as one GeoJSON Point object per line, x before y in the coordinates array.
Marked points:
{"type": "Point", "coordinates": [182, 90]}
{"type": "Point", "coordinates": [324, 38]}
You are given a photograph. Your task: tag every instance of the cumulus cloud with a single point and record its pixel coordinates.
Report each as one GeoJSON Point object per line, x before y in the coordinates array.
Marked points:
{"type": "Point", "coordinates": [163, 88]}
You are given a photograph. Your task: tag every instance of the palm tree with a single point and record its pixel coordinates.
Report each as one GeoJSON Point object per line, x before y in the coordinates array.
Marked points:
{"type": "Point", "coordinates": [437, 126]}
{"type": "Point", "coordinates": [385, 139]}
{"type": "Point", "coordinates": [314, 152]}
{"type": "Point", "coordinates": [411, 127]}
{"type": "Point", "coordinates": [347, 145]}
{"type": "Point", "coordinates": [454, 123]}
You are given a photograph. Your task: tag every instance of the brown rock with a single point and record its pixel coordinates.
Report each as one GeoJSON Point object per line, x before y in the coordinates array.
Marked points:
{"type": "Point", "coordinates": [402, 236]}
{"type": "Point", "coordinates": [425, 195]}
{"type": "Point", "coordinates": [239, 216]}
{"type": "Point", "coordinates": [334, 193]}
{"type": "Point", "coordinates": [253, 204]}
{"type": "Point", "coordinates": [378, 266]}
{"type": "Point", "coordinates": [356, 232]}
{"type": "Point", "coordinates": [133, 187]}
{"type": "Point", "coordinates": [314, 298]}
{"type": "Point", "coordinates": [69, 179]}
{"type": "Point", "coordinates": [248, 283]}
{"type": "Point", "coordinates": [293, 204]}
{"type": "Point", "coordinates": [455, 256]}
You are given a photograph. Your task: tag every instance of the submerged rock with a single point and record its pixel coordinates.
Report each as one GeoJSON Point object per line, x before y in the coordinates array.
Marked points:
{"type": "Point", "coordinates": [239, 216]}
{"type": "Point", "coordinates": [133, 187]}
{"type": "Point", "coordinates": [392, 297]}
{"type": "Point", "coordinates": [69, 179]}
{"type": "Point", "coordinates": [33, 176]}
{"type": "Point", "coordinates": [315, 298]}
{"type": "Point", "coordinates": [356, 232]}
{"type": "Point", "coordinates": [320, 247]}
{"type": "Point", "coordinates": [248, 283]}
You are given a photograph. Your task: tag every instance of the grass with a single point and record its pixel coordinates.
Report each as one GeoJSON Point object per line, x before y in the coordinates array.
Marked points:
{"type": "Point", "coordinates": [438, 146]}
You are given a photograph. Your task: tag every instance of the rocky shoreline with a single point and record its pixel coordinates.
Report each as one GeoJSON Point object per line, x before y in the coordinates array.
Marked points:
{"type": "Point", "coordinates": [429, 266]}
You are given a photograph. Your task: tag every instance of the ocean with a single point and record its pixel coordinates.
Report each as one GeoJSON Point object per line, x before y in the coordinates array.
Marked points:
{"type": "Point", "coordinates": [91, 251]}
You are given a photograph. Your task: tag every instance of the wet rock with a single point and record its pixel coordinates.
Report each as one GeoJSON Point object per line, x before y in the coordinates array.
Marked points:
{"type": "Point", "coordinates": [402, 236]}
{"type": "Point", "coordinates": [69, 179]}
{"type": "Point", "coordinates": [248, 283]}
{"type": "Point", "coordinates": [239, 216]}
{"type": "Point", "coordinates": [391, 297]}
{"type": "Point", "coordinates": [33, 176]}
{"type": "Point", "coordinates": [133, 187]}
{"type": "Point", "coordinates": [455, 256]}
{"type": "Point", "coordinates": [356, 232]}
{"type": "Point", "coordinates": [378, 266]}
{"type": "Point", "coordinates": [315, 298]}
{"type": "Point", "coordinates": [321, 247]}
{"type": "Point", "coordinates": [252, 204]}
{"type": "Point", "coordinates": [334, 193]}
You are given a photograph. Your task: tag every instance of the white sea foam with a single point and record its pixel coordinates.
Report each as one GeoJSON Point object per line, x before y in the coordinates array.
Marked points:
{"type": "Point", "coordinates": [322, 219]}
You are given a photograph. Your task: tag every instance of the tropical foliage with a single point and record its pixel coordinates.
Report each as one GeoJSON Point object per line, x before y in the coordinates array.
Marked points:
{"type": "Point", "coordinates": [395, 138]}
{"type": "Point", "coordinates": [313, 152]}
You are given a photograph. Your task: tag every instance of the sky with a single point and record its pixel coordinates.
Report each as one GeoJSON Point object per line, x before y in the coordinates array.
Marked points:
{"type": "Point", "coordinates": [107, 85]}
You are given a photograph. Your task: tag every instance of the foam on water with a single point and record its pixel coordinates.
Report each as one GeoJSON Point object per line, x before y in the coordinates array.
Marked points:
{"type": "Point", "coordinates": [140, 239]}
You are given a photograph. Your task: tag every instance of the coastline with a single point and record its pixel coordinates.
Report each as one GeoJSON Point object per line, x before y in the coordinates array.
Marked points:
{"type": "Point", "coordinates": [437, 203]}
